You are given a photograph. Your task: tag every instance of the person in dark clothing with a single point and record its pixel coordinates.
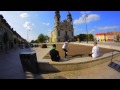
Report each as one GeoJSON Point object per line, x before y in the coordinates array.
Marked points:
{"type": "Point", "coordinates": [54, 53]}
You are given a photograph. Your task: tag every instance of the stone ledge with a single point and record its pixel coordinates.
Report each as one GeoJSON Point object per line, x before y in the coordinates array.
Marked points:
{"type": "Point", "coordinates": [50, 66]}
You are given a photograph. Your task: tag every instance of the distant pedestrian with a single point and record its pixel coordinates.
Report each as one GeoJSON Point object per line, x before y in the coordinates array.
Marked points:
{"type": "Point", "coordinates": [65, 47]}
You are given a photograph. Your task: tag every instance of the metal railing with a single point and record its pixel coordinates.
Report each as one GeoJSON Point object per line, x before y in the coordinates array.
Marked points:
{"type": "Point", "coordinates": [112, 53]}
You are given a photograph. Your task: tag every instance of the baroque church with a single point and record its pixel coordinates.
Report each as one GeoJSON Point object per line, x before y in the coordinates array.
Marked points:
{"type": "Point", "coordinates": [63, 31]}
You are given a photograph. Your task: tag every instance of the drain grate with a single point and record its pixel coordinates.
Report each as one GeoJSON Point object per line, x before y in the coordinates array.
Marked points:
{"type": "Point", "coordinates": [115, 66]}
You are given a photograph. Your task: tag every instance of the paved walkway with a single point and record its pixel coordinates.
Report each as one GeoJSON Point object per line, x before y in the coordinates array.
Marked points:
{"type": "Point", "coordinates": [11, 68]}
{"type": "Point", "coordinates": [10, 65]}
{"type": "Point", "coordinates": [102, 71]}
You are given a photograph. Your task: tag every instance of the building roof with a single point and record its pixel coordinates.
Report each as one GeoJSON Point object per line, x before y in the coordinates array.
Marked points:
{"type": "Point", "coordinates": [1, 16]}
{"type": "Point", "coordinates": [113, 33]}
{"type": "Point", "coordinates": [100, 34]}
{"type": "Point", "coordinates": [109, 33]}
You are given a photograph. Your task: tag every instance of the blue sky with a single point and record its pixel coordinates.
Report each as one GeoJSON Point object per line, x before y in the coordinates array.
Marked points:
{"type": "Point", "coordinates": [43, 22]}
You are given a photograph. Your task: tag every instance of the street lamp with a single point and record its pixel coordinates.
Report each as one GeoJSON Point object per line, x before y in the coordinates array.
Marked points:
{"type": "Point", "coordinates": [85, 16]}
{"type": "Point", "coordinates": [27, 35]}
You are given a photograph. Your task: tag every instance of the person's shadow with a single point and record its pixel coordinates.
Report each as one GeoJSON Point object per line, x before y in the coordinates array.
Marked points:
{"type": "Point", "coordinates": [100, 55]}
{"type": "Point", "coordinates": [70, 57]}
{"type": "Point", "coordinates": [78, 55]}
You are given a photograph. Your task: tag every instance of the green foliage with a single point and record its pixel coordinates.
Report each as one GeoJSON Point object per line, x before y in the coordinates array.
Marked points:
{"type": "Point", "coordinates": [42, 38]}
{"type": "Point", "coordinates": [77, 38]}
{"type": "Point", "coordinates": [36, 41]}
{"type": "Point", "coordinates": [90, 37]}
{"type": "Point", "coordinates": [46, 37]}
{"type": "Point", "coordinates": [32, 41]}
{"type": "Point", "coordinates": [83, 37]}
{"type": "Point", "coordinates": [118, 38]}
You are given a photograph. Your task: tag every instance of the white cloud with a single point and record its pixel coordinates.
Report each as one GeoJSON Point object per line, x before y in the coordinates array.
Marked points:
{"type": "Point", "coordinates": [109, 28]}
{"type": "Point", "coordinates": [24, 15]}
{"type": "Point", "coordinates": [47, 24]}
{"type": "Point", "coordinates": [28, 25]}
{"type": "Point", "coordinates": [89, 18]}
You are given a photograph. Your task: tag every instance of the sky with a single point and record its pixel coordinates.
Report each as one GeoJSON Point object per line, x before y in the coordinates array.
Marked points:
{"type": "Point", "coordinates": [37, 22]}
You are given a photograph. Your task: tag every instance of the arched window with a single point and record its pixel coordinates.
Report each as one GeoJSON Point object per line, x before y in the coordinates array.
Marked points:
{"type": "Point", "coordinates": [58, 33]}
{"type": "Point", "coordinates": [72, 33]}
{"type": "Point", "coordinates": [66, 33]}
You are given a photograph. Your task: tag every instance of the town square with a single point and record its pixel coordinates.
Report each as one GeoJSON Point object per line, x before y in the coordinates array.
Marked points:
{"type": "Point", "coordinates": [31, 40]}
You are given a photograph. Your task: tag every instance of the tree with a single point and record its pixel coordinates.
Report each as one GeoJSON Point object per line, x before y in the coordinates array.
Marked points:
{"type": "Point", "coordinates": [32, 41]}
{"type": "Point", "coordinates": [46, 38]}
{"type": "Point", "coordinates": [36, 41]}
{"type": "Point", "coordinates": [118, 38]}
{"type": "Point", "coordinates": [41, 38]}
{"type": "Point", "coordinates": [90, 37]}
{"type": "Point", "coordinates": [77, 38]}
{"type": "Point", "coordinates": [82, 37]}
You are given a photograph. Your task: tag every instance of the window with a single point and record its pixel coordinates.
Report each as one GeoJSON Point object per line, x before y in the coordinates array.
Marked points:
{"type": "Point", "coordinates": [58, 33]}
{"type": "Point", "coordinates": [58, 40]}
{"type": "Point", "coordinates": [72, 33]}
{"type": "Point", "coordinates": [66, 33]}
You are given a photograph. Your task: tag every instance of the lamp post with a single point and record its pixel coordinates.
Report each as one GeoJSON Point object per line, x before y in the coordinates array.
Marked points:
{"type": "Point", "coordinates": [85, 16]}
{"type": "Point", "coordinates": [27, 35]}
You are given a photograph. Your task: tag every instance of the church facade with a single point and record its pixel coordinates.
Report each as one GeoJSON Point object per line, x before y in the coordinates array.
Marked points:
{"type": "Point", "coordinates": [62, 31]}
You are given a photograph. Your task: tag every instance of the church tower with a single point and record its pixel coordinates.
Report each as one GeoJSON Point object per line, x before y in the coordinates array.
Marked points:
{"type": "Point", "coordinates": [57, 18]}
{"type": "Point", "coordinates": [56, 26]}
{"type": "Point", "coordinates": [63, 30]}
{"type": "Point", "coordinates": [69, 18]}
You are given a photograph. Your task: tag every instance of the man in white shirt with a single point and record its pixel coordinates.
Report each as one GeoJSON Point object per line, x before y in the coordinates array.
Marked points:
{"type": "Point", "coordinates": [95, 51]}
{"type": "Point", "coordinates": [65, 47]}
